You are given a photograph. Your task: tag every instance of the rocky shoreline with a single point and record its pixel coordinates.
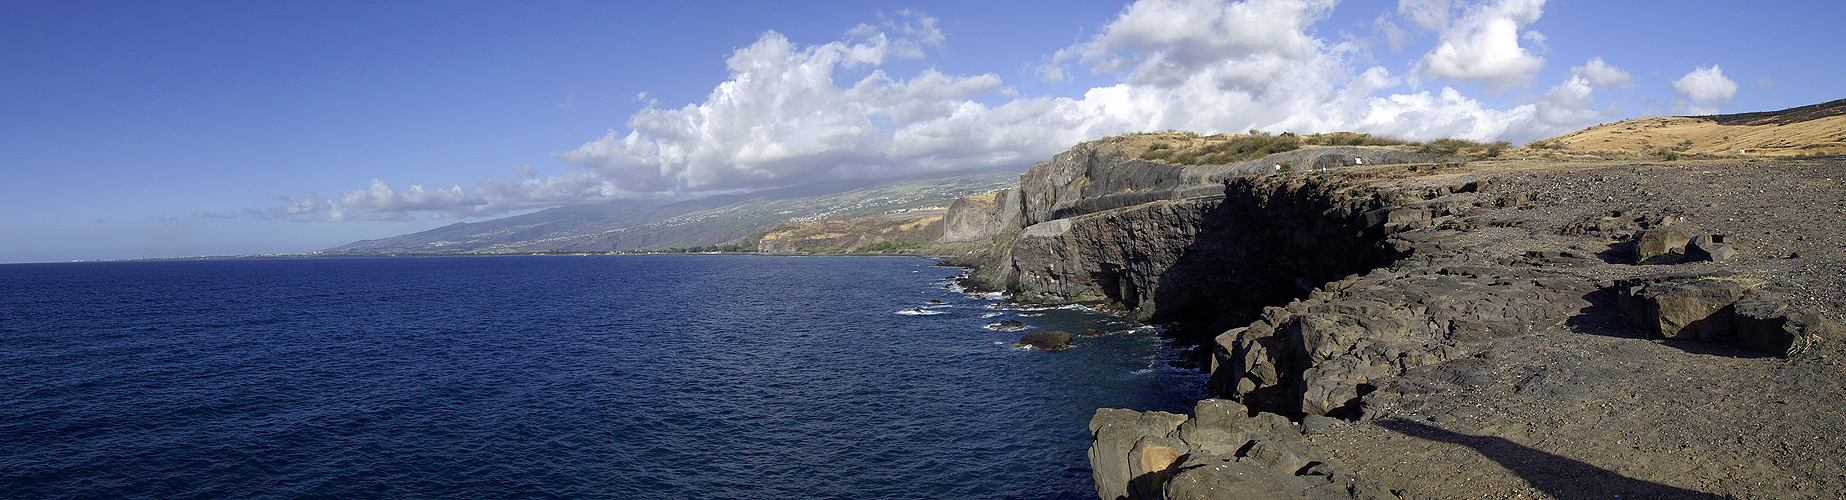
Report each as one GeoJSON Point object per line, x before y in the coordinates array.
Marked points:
{"type": "Point", "coordinates": [1373, 325]}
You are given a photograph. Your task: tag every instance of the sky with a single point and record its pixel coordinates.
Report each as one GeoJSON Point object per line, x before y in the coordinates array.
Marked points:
{"type": "Point", "coordinates": [170, 129]}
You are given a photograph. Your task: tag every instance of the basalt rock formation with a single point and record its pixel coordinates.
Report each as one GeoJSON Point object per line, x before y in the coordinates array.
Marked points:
{"type": "Point", "coordinates": [1220, 451]}
{"type": "Point", "coordinates": [1380, 290]}
{"type": "Point", "coordinates": [1203, 245]}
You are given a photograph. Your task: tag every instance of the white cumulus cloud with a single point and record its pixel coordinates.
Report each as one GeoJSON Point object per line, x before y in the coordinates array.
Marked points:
{"type": "Point", "coordinates": [1479, 42]}
{"type": "Point", "coordinates": [1707, 88]}
{"type": "Point", "coordinates": [791, 113]}
{"type": "Point", "coordinates": [1166, 42]}
{"type": "Point", "coordinates": [781, 119]}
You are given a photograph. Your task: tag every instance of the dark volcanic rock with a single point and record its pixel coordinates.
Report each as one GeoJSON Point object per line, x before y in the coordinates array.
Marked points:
{"type": "Point", "coordinates": [1319, 356]}
{"type": "Point", "coordinates": [1682, 308]}
{"type": "Point", "coordinates": [1220, 452]}
{"type": "Point", "coordinates": [1766, 323]}
{"type": "Point", "coordinates": [1710, 247]}
{"type": "Point", "coordinates": [1050, 341]}
{"type": "Point", "coordinates": [1719, 309]}
{"type": "Point", "coordinates": [1660, 245]}
{"type": "Point", "coordinates": [1394, 294]}
{"type": "Point", "coordinates": [1116, 433]}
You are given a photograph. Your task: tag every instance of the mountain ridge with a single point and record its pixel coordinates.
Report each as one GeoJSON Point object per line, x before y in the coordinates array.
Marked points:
{"type": "Point", "coordinates": [626, 225]}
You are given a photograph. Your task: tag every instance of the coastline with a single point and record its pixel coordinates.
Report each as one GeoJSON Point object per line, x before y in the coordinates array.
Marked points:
{"type": "Point", "coordinates": [1421, 308]}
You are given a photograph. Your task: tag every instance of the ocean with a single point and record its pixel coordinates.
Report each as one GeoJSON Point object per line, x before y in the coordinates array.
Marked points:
{"type": "Point", "coordinates": [701, 376]}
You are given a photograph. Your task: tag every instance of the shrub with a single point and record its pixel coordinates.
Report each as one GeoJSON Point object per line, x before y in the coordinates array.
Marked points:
{"type": "Point", "coordinates": [1473, 149]}
{"type": "Point", "coordinates": [1348, 139]}
{"type": "Point", "coordinates": [1157, 151]}
{"type": "Point", "coordinates": [889, 246]}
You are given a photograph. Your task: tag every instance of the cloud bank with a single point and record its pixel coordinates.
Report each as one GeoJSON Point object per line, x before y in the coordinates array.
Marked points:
{"type": "Point", "coordinates": [791, 114]}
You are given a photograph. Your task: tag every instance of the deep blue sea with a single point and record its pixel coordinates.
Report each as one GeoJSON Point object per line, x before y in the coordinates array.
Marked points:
{"type": "Point", "coordinates": [549, 377]}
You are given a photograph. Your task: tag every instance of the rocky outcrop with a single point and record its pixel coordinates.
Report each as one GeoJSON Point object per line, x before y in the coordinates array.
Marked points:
{"type": "Point", "coordinates": [1096, 225]}
{"type": "Point", "coordinates": [982, 218]}
{"type": "Point", "coordinates": [1221, 451]}
{"type": "Point", "coordinates": [1320, 355]}
{"type": "Point", "coordinates": [1207, 261]}
{"type": "Point", "coordinates": [1050, 341]}
{"type": "Point", "coordinates": [1094, 176]}
{"type": "Point", "coordinates": [1313, 289]}
{"type": "Point", "coordinates": [1671, 244]}
{"type": "Point", "coordinates": [1719, 308]}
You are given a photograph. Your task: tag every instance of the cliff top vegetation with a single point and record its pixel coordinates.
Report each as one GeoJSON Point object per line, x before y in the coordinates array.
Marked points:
{"type": "Point", "coordinates": [1190, 148]}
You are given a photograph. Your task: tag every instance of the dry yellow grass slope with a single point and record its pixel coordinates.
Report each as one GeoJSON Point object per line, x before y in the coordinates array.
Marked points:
{"type": "Point", "coordinates": [895, 232]}
{"type": "Point", "coordinates": [1807, 130]}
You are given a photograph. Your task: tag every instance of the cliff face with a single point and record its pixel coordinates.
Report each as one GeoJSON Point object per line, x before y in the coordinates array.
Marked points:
{"type": "Point", "coordinates": [1203, 245]}
{"type": "Point", "coordinates": [982, 218]}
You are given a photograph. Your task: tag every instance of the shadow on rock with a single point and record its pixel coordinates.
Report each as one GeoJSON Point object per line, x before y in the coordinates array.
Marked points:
{"type": "Point", "coordinates": [1558, 476]}
{"type": "Point", "coordinates": [1602, 318]}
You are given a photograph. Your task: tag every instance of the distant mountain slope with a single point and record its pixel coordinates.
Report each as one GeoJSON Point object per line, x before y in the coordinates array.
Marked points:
{"type": "Point", "coordinates": [1813, 129]}
{"type": "Point", "coordinates": [647, 225]}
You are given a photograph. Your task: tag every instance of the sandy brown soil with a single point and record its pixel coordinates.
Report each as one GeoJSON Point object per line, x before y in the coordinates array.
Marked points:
{"type": "Point", "coordinates": [1595, 408]}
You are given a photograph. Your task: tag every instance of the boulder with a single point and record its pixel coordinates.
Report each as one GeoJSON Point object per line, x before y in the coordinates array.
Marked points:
{"type": "Point", "coordinates": [1050, 341]}
{"type": "Point", "coordinates": [1680, 307]}
{"type": "Point", "coordinates": [1394, 218]}
{"type": "Point", "coordinates": [1091, 332]}
{"type": "Point", "coordinates": [1766, 324]}
{"type": "Point", "coordinates": [1710, 247]}
{"type": "Point", "coordinates": [1720, 309]}
{"type": "Point", "coordinates": [1217, 427]}
{"type": "Point", "coordinates": [1151, 463]}
{"type": "Point", "coordinates": [1220, 452]}
{"type": "Point", "coordinates": [1659, 245]}
{"type": "Point", "coordinates": [1118, 435]}
{"type": "Point", "coordinates": [1315, 424]}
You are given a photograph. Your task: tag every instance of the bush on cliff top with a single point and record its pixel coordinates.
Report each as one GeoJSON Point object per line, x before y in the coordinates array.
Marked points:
{"type": "Point", "coordinates": [1235, 149]}
{"type": "Point", "coordinates": [1349, 139]}
{"type": "Point", "coordinates": [1451, 147]}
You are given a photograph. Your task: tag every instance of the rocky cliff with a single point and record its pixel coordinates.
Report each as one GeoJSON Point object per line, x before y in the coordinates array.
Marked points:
{"type": "Point", "coordinates": [1372, 285]}
{"type": "Point", "coordinates": [1204, 245]}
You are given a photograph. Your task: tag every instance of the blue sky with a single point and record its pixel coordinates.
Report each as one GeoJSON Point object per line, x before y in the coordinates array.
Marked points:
{"type": "Point", "coordinates": [143, 129]}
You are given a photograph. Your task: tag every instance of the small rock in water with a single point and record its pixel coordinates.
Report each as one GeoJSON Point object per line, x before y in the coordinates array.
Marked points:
{"type": "Point", "coordinates": [1050, 341]}
{"type": "Point", "coordinates": [1091, 332]}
